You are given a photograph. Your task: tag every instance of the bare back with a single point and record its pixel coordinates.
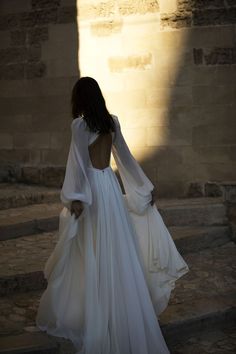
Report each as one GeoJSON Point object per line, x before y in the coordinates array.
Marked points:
{"type": "Point", "coordinates": [100, 151]}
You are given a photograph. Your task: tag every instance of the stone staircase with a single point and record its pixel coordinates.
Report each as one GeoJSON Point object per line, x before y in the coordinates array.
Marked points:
{"type": "Point", "coordinates": [203, 298]}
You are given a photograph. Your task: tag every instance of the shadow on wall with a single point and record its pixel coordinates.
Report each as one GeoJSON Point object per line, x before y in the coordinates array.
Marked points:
{"type": "Point", "coordinates": [39, 65]}
{"type": "Point", "coordinates": [199, 125]}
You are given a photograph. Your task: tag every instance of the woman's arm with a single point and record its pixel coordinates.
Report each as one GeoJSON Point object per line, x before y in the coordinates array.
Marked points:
{"type": "Point", "coordinates": [76, 188]}
{"type": "Point", "coordinates": [138, 188]}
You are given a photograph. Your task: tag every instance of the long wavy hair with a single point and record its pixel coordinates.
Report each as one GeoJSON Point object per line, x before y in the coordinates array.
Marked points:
{"type": "Point", "coordinates": [88, 102]}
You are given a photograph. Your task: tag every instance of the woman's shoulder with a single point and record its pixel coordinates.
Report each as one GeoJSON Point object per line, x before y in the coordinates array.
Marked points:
{"type": "Point", "coordinates": [115, 118]}
{"type": "Point", "coordinates": [78, 123]}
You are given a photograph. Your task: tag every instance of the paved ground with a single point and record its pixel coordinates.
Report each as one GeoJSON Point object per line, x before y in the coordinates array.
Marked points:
{"type": "Point", "coordinates": [211, 272]}
{"type": "Point", "coordinates": [221, 341]}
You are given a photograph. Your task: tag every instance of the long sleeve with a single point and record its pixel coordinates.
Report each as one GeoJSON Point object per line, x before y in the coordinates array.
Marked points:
{"type": "Point", "coordinates": [136, 184]}
{"type": "Point", "coordinates": [76, 185]}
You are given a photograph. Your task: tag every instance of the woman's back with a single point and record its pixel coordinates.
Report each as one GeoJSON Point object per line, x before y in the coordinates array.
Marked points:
{"type": "Point", "coordinates": [100, 150]}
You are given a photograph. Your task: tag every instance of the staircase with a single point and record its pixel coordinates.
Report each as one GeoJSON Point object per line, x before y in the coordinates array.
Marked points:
{"type": "Point", "coordinates": [203, 299]}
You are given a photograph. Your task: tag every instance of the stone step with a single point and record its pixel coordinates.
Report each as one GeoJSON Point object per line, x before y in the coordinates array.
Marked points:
{"type": "Point", "coordinates": [203, 298]}
{"type": "Point", "coordinates": [17, 222]}
{"type": "Point", "coordinates": [31, 343]}
{"type": "Point", "coordinates": [193, 211]}
{"type": "Point", "coordinates": [22, 259]}
{"type": "Point", "coordinates": [206, 295]}
{"type": "Point", "coordinates": [15, 195]}
{"type": "Point", "coordinates": [195, 238]}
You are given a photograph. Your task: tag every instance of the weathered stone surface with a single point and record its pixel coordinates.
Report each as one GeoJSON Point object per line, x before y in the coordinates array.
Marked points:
{"type": "Point", "coordinates": [37, 18]}
{"type": "Point", "coordinates": [213, 189]}
{"type": "Point", "coordinates": [34, 53]}
{"type": "Point", "coordinates": [131, 7]}
{"type": "Point", "coordinates": [119, 64]}
{"type": "Point", "coordinates": [12, 72]}
{"type": "Point", "coordinates": [211, 17]}
{"type": "Point", "coordinates": [41, 4]}
{"type": "Point", "coordinates": [196, 189]}
{"type": "Point", "coordinates": [106, 28]}
{"type": "Point", "coordinates": [36, 70]}
{"type": "Point", "coordinates": [18, 37]}
{"type": "Point", "coordinates": [53, 176]}
{"type": "Point", "coordinates": [13, 55]}
{"type": "Point", "coordinates": [176, 20]}
{"type": "Point", "coordinates": [37, 35]}
{"type": "Point", "coordinates": [29, 343]}
{"type": "Point", "coordinates": [9, 21]}
{"type": "Point", "coordinates": [215, 56]}
{"type": "Point", "coordinates": [67, 14]}
{"type": "Point", "coordinates": [29, 220]}
{"type": "Point", "coordinates": [14, 195]}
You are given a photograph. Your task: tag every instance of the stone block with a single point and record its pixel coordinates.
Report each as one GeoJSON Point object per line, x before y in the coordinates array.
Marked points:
{"type": "Point", "coordinates": [218, 154]}
{"type": "Point", "coordinates": [221, 171]}
{"type": "Point", "coordinates": [6, 141]}
{"type": "Point", "coordinates": [207, 95]}
{"type": "Point", "coordinates": [38, 17]}
{"type": "Point", "coordinates": [130, 99]}
{"type": "Point", "coordinates": [42, 4]}
{"type": "Point", "coordinates": [168, 5]}
{"type": "Point", "coordinates": [207, 135]}
{"type": "Point", "coordinates": [132, 7]}
{"type": "Point", "coordinates": [210, 17]}
{"type": "Point", "coordinates": [53, 176]}
{"type": "Point", "coordinates": [55, 157]}
{"type": "Point", "coordinates": [12, 71]}
{"type": "Point", "coordinates": [91, 10]}
{"type": "Point", "coordinates": [9, 21]}
{"type": "Point", "coordinates": [31, 140]}
{"type": "Point", "coordinates": [214, 75]}
{"type": "Point", "coordinates": [195, 190]}
{"type": "Point", "coordinates": [34, 53]}
{"type": "Point", "coordinates": [31, 174]}
{"type": "Point", "coordinates": [171, 189]}
{"type": "Point", "coordinates": [198, 56]}
{"type": "Point", "coordinates": [18, 38]}
{"type": "Point", "coordinates": [13, 55]}
{"type": "Point", "coordinates": [176, 19]}
{"type": "Point", "coordinates": [213, 189]}
{"type": "Point", "coordinates": [135, 137]}
{"type": "Point", "coordinates": [14, 6]}
{"type": "Point", "coordinates": [67, 14]}
{"type": "Point", "coordinates": [36, 70]}
{"type": "Point", "coordinates": [220, 56]}
{"type": "Point", "coordinates": [37, 35]}
{"type": "Point", "coordinates": [106, 28]}
{"type": "Point", "coordinates": [169, 135]}
{"type": "Point", "coordinates": [59, 140]}
{"type": "Point", "coordinates": [13, 156]}
{"type": "Point", "coordinates": [214, 36]}
{"type": "Point", "coordinates": [134, 62]}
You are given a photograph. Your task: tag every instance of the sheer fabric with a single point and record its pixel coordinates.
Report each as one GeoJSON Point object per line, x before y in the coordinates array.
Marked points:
{"type": "Point", "coordinates": [113, 269]}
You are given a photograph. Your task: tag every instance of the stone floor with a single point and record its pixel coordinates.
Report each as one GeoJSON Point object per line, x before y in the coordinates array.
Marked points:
{"type": "Point", "coordinates": [24, 254]}
{"type": "Point", "coordinates": [220, 341]}
{"type": "Point", "coordinates": [211, 272]}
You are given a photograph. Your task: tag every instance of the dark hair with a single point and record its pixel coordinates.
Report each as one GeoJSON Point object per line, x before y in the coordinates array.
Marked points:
{"type": "Point", "coordinates": [87, 101]}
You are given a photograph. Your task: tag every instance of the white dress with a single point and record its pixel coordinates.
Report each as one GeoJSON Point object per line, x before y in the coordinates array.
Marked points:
{"type": "Point", "coordinates": [112, 270]}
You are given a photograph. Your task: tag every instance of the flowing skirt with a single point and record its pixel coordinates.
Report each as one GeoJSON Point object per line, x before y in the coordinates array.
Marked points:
{"type": "Point", "coordinates": [99, 294]}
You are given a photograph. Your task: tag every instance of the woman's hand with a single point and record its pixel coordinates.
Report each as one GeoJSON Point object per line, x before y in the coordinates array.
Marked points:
{"type": "Point", "coordinates": [76, 208]}
{"type": "Point", "coordinates": [154, 196]}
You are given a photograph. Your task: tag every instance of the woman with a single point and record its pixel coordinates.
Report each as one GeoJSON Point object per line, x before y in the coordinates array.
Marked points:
{"type": "Point", "coordinates": [115, 264]}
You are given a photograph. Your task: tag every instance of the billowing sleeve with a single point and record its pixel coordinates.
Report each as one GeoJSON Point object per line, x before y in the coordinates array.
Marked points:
{"type": "Point", "coordinates": [76, 185]}
{"type": "Point", "coordinates": [136, 184]}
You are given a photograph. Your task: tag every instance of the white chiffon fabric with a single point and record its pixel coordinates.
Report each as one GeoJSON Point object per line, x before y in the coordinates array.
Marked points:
{"type": "Point", "coordinates": [112, 270]}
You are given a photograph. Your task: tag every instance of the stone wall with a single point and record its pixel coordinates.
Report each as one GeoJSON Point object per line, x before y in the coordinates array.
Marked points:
{"type": "Point", "coordinates": [38, 66]}
{"type": "Point", "coordinates": [167, 69]}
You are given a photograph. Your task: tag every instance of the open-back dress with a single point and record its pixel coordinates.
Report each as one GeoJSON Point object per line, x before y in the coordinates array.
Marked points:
{"type": "Point", "coordinates": [112, 270]}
